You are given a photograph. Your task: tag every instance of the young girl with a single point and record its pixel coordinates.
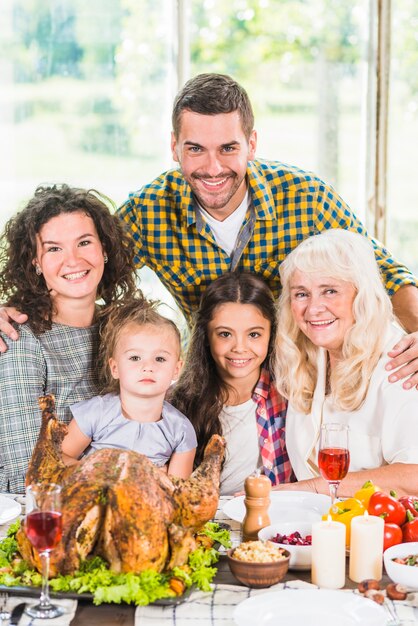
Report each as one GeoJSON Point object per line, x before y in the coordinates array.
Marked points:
{"type": "Point", "coordinates": [226, 385]}
{"type": "Point", "coordinates": [141, 359]}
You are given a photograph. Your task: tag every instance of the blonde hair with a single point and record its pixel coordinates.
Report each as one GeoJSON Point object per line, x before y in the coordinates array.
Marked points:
{"type": "Point", "coordinates": [347, 256]}
{"type": "Point", "coordinates": [138, 311]}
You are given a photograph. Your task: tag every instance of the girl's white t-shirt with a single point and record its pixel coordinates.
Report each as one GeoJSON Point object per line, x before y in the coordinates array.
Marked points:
{"type": "Point", "coordinates": [242, 456]}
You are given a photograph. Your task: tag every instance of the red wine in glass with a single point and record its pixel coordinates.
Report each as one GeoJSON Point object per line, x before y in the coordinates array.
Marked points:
{"type": "Point", "coordinates": [44, 529]}
{"type": "Point", "coordinates": [333, 456]}
{"type": "Point", "coordinates": [333, 463]}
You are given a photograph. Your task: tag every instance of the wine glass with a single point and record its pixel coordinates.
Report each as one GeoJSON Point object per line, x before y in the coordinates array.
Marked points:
{"type": "Point", "coordinates": [333, 456]}
{"type": "Point", "coordinates": [43, 527]}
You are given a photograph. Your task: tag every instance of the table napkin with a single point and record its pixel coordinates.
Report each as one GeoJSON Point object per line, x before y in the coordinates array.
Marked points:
{"type": "Point", "coordinates": [217, 607]}
{"type": "Point", "coordinates": [70, 607]}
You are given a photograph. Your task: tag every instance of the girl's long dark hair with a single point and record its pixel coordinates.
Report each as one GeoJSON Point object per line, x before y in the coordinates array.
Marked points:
{"type": "Point", "coordinates": [21, 287]}
{"type": "Point", "coordinates": [200, 393]}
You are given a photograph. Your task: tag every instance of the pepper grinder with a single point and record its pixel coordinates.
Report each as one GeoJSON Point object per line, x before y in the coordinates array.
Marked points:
{"type": "Point", "coordinates": [257, 501]}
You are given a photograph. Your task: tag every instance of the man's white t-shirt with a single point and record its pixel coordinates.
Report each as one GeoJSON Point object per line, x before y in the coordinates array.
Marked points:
{"type": "Point", "coordinates": [227, 231]}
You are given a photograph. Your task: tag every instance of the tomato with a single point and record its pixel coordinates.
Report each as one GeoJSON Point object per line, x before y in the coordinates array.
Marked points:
{"type": "Point", "coordinates": [382, 505]}
{"type": "Point", "coordinates": [410, 503]}
{"type": "Point", "coordinates": [410, 529]}
{"type": "Point", "coordinates": [392, 535]}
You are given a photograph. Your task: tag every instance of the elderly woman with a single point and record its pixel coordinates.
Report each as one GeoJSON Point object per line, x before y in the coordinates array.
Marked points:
{"type": "Point", "coordinates": [335, 326]}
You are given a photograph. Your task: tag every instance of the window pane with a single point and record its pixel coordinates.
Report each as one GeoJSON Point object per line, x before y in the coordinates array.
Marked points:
{"type": "Point", "coordinates": [302, 64]}
{"type": "Point", "coordinates": [85, 95]}
{"type": "Point", "coordinates": [403, 135]}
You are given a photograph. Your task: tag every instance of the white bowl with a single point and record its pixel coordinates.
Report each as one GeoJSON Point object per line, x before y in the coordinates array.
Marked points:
{"type": "Point", "coordinates": [406, 575]}
{"type": "Point", "coordinates": [300, 556]}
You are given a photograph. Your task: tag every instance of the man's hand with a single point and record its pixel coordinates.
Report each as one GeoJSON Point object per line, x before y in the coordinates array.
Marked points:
{"type": "Point", "coordinates": [7, 315]}
{"type": "Point", "coordinates": [405, 354]}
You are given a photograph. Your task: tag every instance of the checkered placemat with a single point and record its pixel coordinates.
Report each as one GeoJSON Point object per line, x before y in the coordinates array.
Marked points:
{"type": "Point", "coordinates": [217, 608]}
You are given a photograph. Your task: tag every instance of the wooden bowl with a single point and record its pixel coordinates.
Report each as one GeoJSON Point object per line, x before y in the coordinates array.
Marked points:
{"type": "Point", "coordinates": [258, 575]}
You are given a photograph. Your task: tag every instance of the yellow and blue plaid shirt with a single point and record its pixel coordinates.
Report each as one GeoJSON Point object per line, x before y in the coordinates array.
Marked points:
{"type": "Point", "coordinates": [287, 206]}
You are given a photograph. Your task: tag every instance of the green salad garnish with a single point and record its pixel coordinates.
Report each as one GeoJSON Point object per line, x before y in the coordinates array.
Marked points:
{"type": "Point", "coordinates": [217, 533]}
{"type": "Point", "coordinates": [96, 578]}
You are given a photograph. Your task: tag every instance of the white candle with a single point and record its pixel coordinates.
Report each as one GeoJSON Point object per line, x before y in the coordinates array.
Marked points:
{"type": "Point", "coordinates": [366, 547]}
{"type": "Point", "coordinates": [328, 554]}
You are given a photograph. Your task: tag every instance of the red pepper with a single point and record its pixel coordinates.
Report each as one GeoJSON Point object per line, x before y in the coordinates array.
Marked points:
{"type": "Point", "coordinates": [410, 503]}
{"type": "Point", "coordinates": [382, 505]}
{"type": "Point", "coordinates": [410, 529]}
{"type": "Point", "coordinates": [392, 535]}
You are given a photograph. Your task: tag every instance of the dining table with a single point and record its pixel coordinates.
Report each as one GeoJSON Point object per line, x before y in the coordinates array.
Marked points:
{"type": "Point", "coordinates": [214, 608]}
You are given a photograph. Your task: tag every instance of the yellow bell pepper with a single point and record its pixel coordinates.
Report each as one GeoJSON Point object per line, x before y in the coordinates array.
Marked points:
{"type": "Point", "coordinates": [365, 493]}
{"type": "Point", "coordinates": [344, 512]}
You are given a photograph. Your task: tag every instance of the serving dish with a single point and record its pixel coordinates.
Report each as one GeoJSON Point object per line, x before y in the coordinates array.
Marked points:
{"type": "Point", "coordinates": [300, 556]}
{"type": "Point", "coordinates": [285, 506]}
{"type": "Point", "coordinates": [406, 575]}
{"type": "Point", "coordinates": [33, 592]}
{"type": "Point", "coordinates": [310, 607]}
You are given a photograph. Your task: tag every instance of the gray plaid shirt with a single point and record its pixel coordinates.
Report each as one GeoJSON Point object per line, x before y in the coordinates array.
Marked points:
{"type": "Point", "coordinates": [60, 361]}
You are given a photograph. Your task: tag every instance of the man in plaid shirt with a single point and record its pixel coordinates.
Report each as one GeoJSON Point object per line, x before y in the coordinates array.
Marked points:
{"type": "Point", "coordinates": [225, 211]}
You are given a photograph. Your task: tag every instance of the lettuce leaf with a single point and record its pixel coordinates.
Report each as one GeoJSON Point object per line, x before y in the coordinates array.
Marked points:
{"type": "Point", "coordinates": [215, 532]}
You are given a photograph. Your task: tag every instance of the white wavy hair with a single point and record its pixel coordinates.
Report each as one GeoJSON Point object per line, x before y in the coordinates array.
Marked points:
{"type": "Point", "coordinates": [348, 256]}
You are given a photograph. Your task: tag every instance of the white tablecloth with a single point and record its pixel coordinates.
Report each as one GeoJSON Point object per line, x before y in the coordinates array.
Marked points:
{"type": "Point", "coordinates": [69, 606]}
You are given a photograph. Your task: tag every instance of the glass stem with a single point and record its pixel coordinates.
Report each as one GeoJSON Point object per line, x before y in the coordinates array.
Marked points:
{"type": "Point", "coordinates": [44, 600]}
{"type": "Point", "coordinates": [333, 488]}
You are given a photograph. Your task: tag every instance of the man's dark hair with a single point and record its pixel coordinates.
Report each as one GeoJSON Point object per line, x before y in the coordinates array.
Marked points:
{"type": "Point", "coordinates": [211, 94]}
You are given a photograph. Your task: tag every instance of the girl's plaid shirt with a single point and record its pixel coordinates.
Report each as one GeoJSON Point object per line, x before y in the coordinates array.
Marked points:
{"type": "Point", "coordinates": [271, 423]}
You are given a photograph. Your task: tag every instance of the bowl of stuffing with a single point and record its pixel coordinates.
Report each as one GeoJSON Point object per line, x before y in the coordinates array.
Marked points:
{"type": "Point", "coordinates": [295, 537]}
{"type": "Point", "coordinates": [258, 564]}
{"type": "Point", "coordinates": [401, 564]}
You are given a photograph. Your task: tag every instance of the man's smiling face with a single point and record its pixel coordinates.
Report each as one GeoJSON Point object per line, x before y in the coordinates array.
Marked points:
{"type": "Point", "coordinates": [213, 153]}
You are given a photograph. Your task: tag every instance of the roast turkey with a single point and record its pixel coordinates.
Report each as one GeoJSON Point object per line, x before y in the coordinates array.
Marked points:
{"type": "Point", "coordinates": [118, 505]}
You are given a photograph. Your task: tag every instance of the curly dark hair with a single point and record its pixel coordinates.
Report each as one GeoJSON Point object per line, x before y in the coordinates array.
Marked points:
{"type": "Point", "coordinates": [200, 393]}
{"type": "Point", "coordinates": [212, 94]}
{"type": "Point", "coordinates": [21, 287]}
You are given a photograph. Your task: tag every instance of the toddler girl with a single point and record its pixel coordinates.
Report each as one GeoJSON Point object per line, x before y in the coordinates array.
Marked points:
{"type": "Point", "coordinates": [141, 359]}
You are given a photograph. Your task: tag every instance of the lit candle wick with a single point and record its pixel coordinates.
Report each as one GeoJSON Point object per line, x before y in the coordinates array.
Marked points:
{"type": "Point", "coordinates": [329, 519]}
{"type": "Point", "coordinates": [366, 514]}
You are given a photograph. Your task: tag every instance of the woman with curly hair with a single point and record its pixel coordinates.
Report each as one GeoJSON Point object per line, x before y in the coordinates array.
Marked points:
{"type": "Point", "coordinates": [226, 385]}
{"type": "Point", "coordinates": [335, 325]}
{"type": "Point", "coordinates": [65, 259]}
